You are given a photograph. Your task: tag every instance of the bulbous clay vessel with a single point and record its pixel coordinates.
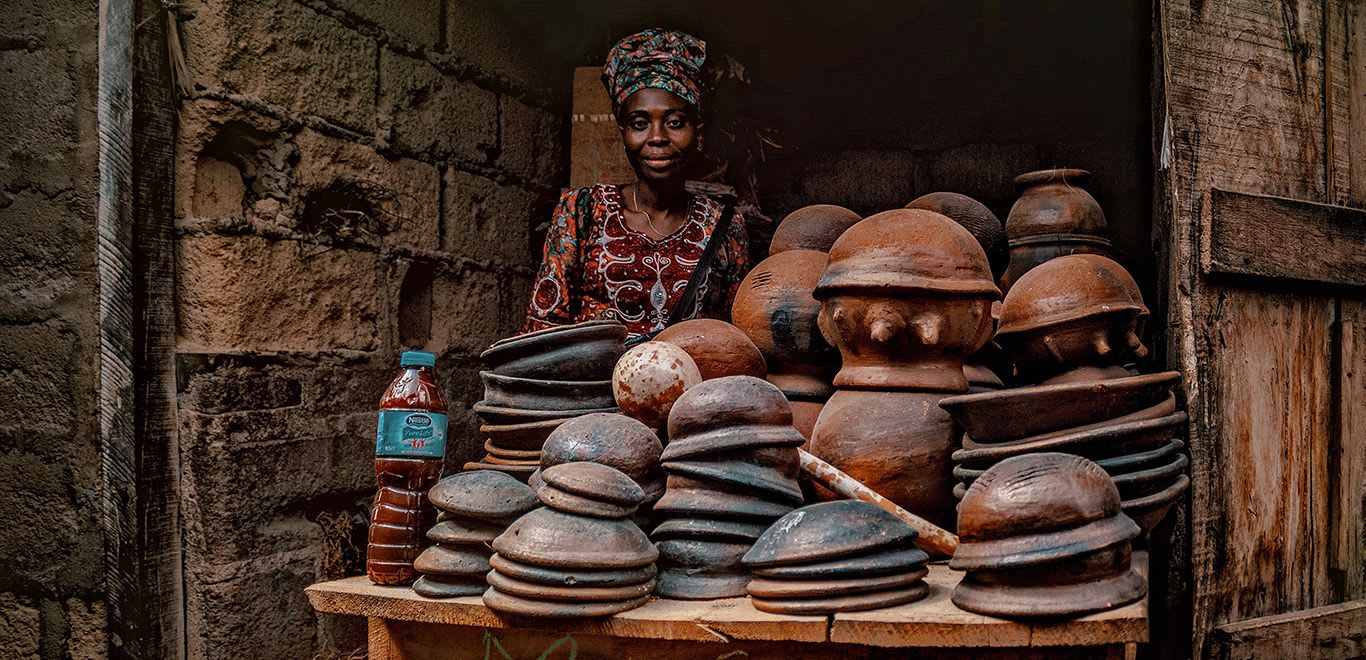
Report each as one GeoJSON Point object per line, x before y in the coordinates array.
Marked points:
{"type": "Point", "coordinates": [1071, 313]}
{"type": "Point", "coordinates": [977, 219]}
{"type": "Point", "coordinates": [718, 348]}
{"type": "Point", "coordinates": [649, 378]}
{"type": "Point", "coordinates": [906, 296]}
{"type": "Point", "coordinates": [812, 227]}
{"type": "Point", "coordinates": [613, 440]}
{"type": "Point", "coordinates": [775, 309]}
{"type": "Point", "coordinates": [1054, 216]}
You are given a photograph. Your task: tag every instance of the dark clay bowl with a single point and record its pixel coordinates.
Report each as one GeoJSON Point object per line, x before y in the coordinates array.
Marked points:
{"type": "Point", "coordinates": [1150, 510]}
{"type": "Point", "coordinates": [1137, 485]}
{"type": "Point", "coordinates": [492, 414]}
{"type": "Point", "coordinates": [536, 394]}
{"type": "Point", "coordinates": [1113, 466]}
{"type": "Point", "coordinates": [1101, 443]}
{"type": "Point", "coordinates": [587, 350]}
{"type": "Point", "coordinates": [523, 436]}
{"type": "Point", "coordinates": [1026, 411]}
{"type": "Point", "coordinates": [1166, 407]}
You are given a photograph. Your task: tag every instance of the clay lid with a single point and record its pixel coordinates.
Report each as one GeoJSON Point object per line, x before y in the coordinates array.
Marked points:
{"type": "Point", "coordinates": [584, 350]}
{"type": "Point", "coordinates": [508, 604]}
{"type": "Point", "coordinates": [594, 481]}
{"type": "Point", "coordinates": [650, 378]}
{"type": "Point", "coordinates": [1000, 598]}
{"type": "Point", "coordinates": [812, 227]}
{"type": "Point", "coordinates": [441, 560]}
{"type": "Point", "coordinates": [690, 498]}
{"type": "Point", "coordinates": [1102, 442]}
{"type": "Point", "coordinates": [718, 348]}
{"type": "Point", "coordinates": [908, 249]}
{"type": "Point", "coordinates": [838, 602]}
{"type": "Point", "coordinates": [1038, 508]}
{"type": "Point", "coordinates": [483, 495]}
{"type": "Point", "coordinates": [687, 584]}
{"type": "Point", "coordinates": [886, 562]}
{"type": "Point", "coordinates": [708, 528]}
{"type": "Point", "coordinates": [736, 438]}
{"type": "Point", "coordinates": [1065, 289]}
{"type": "Point", "coordinates": [551, 538]}
{"type": "Point", "coordinates": [827, 531]}
{"type": "Point", "coordinates": [536, 591]}
{"type": "Point", "coordinates": [816, 588]}
{"type": "Point", "coordinates": [713, 555]}
{"type": "Point", "coordinates": [464, 532]}
{"type": "Point", "coordinates": [763, 481]}
{"type": "Point", "coordinates": [614, 440]}
{"type": "Point", "coordinates": [572, 576]}
{"type": "Point", "coordinates": [733, 402]}
{"type": "Point", "coordinates": [579, 505]}
{"type": "Point", "coordinates": [976, 218]}
{"type": "Point", "coordinates": [539, 394]}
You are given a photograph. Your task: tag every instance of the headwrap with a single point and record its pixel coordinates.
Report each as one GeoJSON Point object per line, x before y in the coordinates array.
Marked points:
{"type": "Point", "coordinates": [662, 59]}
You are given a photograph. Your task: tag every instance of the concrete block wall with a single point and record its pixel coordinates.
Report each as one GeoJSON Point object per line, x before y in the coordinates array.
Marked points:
{"type": "Point", "coordinates": [353, 178]}
{"type": "Point", "coordinates": [52, 598]}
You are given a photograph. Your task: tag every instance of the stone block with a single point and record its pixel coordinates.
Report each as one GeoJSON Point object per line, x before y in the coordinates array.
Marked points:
{"type": "Point", "coordinates": [227, 156]}
{"type": "Point", "coordinates": [43, 121]}
{"type": "Point", "coordinates": [434, 114]}
{"type": "Point", "coordinates": [413, 21]}
{"type": "Point", "coordinates": [247, 293]}
{"type": "Point", "coordinates": [483, 33]}
{"type": "Point", "coordinates": [233, 388]}
{"type": "Point", "coordinates": [515, 296]}
{"type": "Point", "coordinates": [532, 142]}
{"type": "Point", "coordinates": [284, 53]}
{"type": "Point", "coordinates": [261, 612]}
{"type": "Point", "coordinates": [349, 190]}
{"type": "Point", "coordinates": [47, 259]}
{"type": "Point", "coordinates": [41, 530]}
{"type": "Point", "coordinates": [87, 638]}
{"type": "Point", "coordinates": [19, 628]}
{"type": "Point", "coordinates": [37, 390]}
{"type": "Point", "coordinates": [489, 220]}
{"type": "Point", "coordinates": [464, 312]}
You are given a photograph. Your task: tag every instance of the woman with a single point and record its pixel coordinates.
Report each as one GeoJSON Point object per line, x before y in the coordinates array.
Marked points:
{"type": "Point", "coordinates": [627, 252]}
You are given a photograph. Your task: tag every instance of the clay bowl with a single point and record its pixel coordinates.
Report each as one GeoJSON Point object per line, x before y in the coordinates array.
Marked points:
{"type": "Point", "coordinates": [732, 439]}
{"type": "Point", "coordinates": [1093, 582]}
{"type": "Point", "coordinates": [689, 585]}
{"type": "Point", "coordinates": [718, 348]}
{"type": "Point", "coordinates": [766, 482]}
{"type": "Point", "coordinates": [541, 609]}
{"type": "Point", "coordinates": [518, 472]}
{"type": "Point", "coordinates": [483, 496]}
{"type": "Point", "coordinates": [1163, 409]}
{"type": "Point", "coordinates": [440, 560]}
{"type": "Point", "coordinates": [582, 506]}
{"type": "Point", "coordinates": [512, 454]}
{"type": "Point", "coordinates": [499, 460]}
{"type": "Point", "coordinates": [1137, 485]}
{"type": "Point", "coordinates": [586, 351]}
{"type": "Point", "coordinates": [524, 436]}
{"type": "Point", "coordinates": [1148, 511]}
{"type": "Point", "coordinates": [536, 591]}
{"type": "Point", "coordinates": [1113, 466]}
{"type": "Point", "coordinates": [570, 577]}
{"type": "Point", "coordinates": [826, 531]}
{"type": "Point", "coordinates": [708, 529]}
{"type": "Point", "coordinates": [535, 394]}
{"type": "Point", "coordinates": [546, 537]}
{"type": "Point", "coordinates": [1026, 411]}
{"type": "Point", "coordinates": [700, 553]}
{"type": "Point", "coordinates": [1104, 442]}
{"type": "Point", "coordinates": [887, 562]}
{"type": "Point", "coordinates": [500, 415]}
{"type": "Point", "coordinates": [844, 602]}
{"type": "Point", "coordinates": [699, 499]}
{"type": "Point", "coordinates": [433, 586]}
{"type": "Point", "coordinates": [794, 588]}
{"type": "Point", "coordinates": [464, 532]}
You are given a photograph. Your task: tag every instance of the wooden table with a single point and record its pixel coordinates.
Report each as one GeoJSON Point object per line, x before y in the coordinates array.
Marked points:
{"type": "Point", "coordinates": [405, 625]}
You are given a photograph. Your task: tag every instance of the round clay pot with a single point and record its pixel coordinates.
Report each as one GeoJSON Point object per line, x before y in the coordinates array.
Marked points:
{"type": "Point", "coordinates": [888, 562]}
{"type": "Point", "coordinates": [483, 496]}
{"type": "Point", "coordinates": [1148, 511]}
{"type": "Point", "coordinates": [596, 481]}
{"type": "Point", "coordinates": [804, 416]}
{"type": "Point", "coordinates": [1053, 217]}
{"type": "Point", "coordinates": [1093, 581]}
{"type": "Point", "coordinates": [535, 394]}
{"type": "Point", "coordinates": [775, 309]}
{"type": "Point", "coordinates": [432, 586]}
{"type": "Point", "coordinates": [1122, 274]}
{"type": "Point", "coordinates": [501, 416]}
{"type": "Point", "coordinates": [571, 577]}
{"type": "Point", "coordinates": [649, 379]}
{"type": "Point", "coordinates": [536, 591]}
{"type": "Point", "coordinates": [732, 410]}
{"type": "Point", "coordinates": [579, 505]}
{"type": "Point", "coordinates": [586, 351]}
{"type": "Point", "coordinates": [794, 588]}
{"type": "Point", "coordinates": [812, 227]}
{"type": "Point", "coordinates": [1164, 408]}
{"type": "Point", "coordinates": [718, 348]}
{"type": "Point", "coordinates": [516, 606]}
{"type": "Point", "coordinates": [828, 530]}
{"type": "Point", "coordinates": [554, 539]}
{"type": "Point", "coordinates": [526, 436]}
{"type": "Point", "coordinates": [896, 443]}
{"type": "Point", "coordinates": [975, 217]}
{"type": "Point", "coordinates": [843, 603]}
{"type": "Point", "coordinates": [613, 440]}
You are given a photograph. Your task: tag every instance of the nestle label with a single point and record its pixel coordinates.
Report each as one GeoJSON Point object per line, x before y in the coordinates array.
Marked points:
{"type": "Point", "coordinates": [409, 433]}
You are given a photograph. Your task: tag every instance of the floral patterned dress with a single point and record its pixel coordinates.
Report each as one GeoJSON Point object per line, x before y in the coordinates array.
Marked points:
{"type": "Point", "coordinates": [599, 268]}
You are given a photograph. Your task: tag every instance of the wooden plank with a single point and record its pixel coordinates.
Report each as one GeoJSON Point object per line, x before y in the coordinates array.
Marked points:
{"type": "Point", "coordinates": [377, 638]}
{"type": "Point", "coordinates": [1345, 86]}
{"type": "Point", "coordinates": [1275, 237]}
{"type": "Point", "coordinates": [1348, 493]}
{"type": "Point", "coordinates": [1334, 631]}
{"type": "Point", "coordinates": [595, 151]}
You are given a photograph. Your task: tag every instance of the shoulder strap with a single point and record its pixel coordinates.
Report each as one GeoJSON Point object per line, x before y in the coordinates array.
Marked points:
{"type": "Point", "coordinates": [685, 302]}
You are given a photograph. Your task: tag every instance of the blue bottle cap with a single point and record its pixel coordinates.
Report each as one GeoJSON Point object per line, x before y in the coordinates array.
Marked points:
{"type": "Point", "coordinates": [417, 359]}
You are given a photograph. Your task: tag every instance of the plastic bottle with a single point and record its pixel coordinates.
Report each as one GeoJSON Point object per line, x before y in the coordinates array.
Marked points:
{"type": "Point", "coordinates": [409, 447]}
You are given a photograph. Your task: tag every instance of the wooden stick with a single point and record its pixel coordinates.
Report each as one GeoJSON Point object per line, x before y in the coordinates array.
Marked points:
{"type": "Point", "coordinates": [930, 537]}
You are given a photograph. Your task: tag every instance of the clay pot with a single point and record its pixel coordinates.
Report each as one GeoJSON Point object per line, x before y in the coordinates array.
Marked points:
{"type": "Point", "coordinates": [692, 498]}
{"type": "Point", "coordinates": [536, 394]}
{"type": "Point", "coordinates": [696, 569]}
{"type": "Point", "coordinates": [1090, 582]}
{"type": "Point", "coordinates": [1103, 442]}
{"type": "Point", "coordinates": [613, 440]}
{"type": "Point", "coordinates": [526, 436]}
{"type": "Point", "coordinates": [906, 296]}
{"type": "Point", "coordinates": [533, 590]}
{"type": "Point", "coordinates": [709, 529]}
{"type": "Point", "coordinates": [1026, 411]}
{"type": "Point", "coordinates": [1115, 466]}
{"type": "Point", "coordinates": [1142, 483]}
{"type": "Point", "coordinates": [483, 496]}
{"type": "Point", "coordinates": [775, 309]}
{"type": "Point", "coordinates": [498, 460]}
{"type": "Point", "coordinates": [554, 539]}
{"type": "Point", "coordinates": [1053, 217]}
{"type": "Point", "coordinates": [1162, 409]}
{"type": "Point", "coordinates": [804, 416]}
{"type": "Point", "coordinates": [586, 351]}
{"type": "Point", "coordinates": [769, 483]}
{"type": "Point", "coordinates": [812, 227]}
{"type": "Point", "coordinates": [897, 443]}
{"type": "Point", "coordinates": [596, 481]}
{"type": "Point", "coordinates": [843, 603]}
{"type": "Point", "coordinates": [735, 412]}
{"type": "Point", "coordinates": [464, 532]}
{"type": "Point", "coordinates": [501, 416]}
{"type": "Point", "coordinates": [888, 562]}
{"type": "Point", "coordinates": [1135, 293]}
{"type": "Point", "coordinates": [511, 454]}
{"type": "Point", "coordinates": [975, 217]}
{"type": "Point", "coordinates": [828, 530]}
{"type": "Point", "coordinates": [517, 606]}
{"type": "Point", "coordinates": [433, 586]}
{"type": "Point", "coordinates": [718, 348]}
{"type": "Point", "coordinates": [572, 576]}
{"type": "Point", "coordinates": [649, 378]}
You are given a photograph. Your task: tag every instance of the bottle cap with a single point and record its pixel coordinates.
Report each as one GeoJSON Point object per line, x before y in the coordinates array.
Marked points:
{"type": "Point", "coordinates": [417, 359]}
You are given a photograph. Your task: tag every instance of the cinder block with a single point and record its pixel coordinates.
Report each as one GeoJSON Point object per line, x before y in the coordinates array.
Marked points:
{"type": "Point", "coordinates": [42, 148]}
{"type": "Point", "coordinates": [47, 258]}
{"type": "Point", "coordinates": [38, 391]}
{"type": "Point", "coordinates": [284, 53]}
{"type": "Point", "coordinates": [261, 612]}
{"type": "Point", "coordinates": [489, 220]}
{"type": "Point", "coordinates": [413, 21]}
{"type": "Point", "coordinates": [19, 627]}
{"type": "Point", "coordinates": [219, 147]}
{"type": "Point", "coordinates": [464, 312]}
{"type": "Point", "coordinates": [533, 142]}
{"type": "Point", "coordinates": [87, 638]}
{"type": "Point", "coordinates": [247, 293]}
{"type": "Point", "coordinates": [482, 33]}
{"type": "Point", "coordinates": [515, 297]}
{"type": "Point", "coordinates": [431, 113]}
{"type": "Point", "coordinates": [233, 388]}
{"type": "Point", "coordinates": [42, 538]}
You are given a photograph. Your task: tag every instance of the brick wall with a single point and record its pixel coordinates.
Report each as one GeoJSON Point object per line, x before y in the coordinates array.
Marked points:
{"type": "Point", "coordinates": [352, 178]}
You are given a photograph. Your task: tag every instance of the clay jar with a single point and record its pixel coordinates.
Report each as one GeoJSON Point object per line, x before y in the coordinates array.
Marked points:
{"type": "Point", "coordinates": [1054, 216]}
{"type": "Point", "coordinates": [906, 295]}
{"type": "Point", "coordinates": [718, 348]}
{"type": "Point", "coordinates": [1072, 313]}
{"type": "Point", "coordinates": [812, 227]}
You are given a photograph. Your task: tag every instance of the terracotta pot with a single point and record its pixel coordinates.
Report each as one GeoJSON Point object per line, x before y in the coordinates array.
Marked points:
{"type": "Point", "coordinates": [804, 416]}
{"type": "Point", "coordinates": [1114, 466]}
{"type": "Point", "coordinates": [498, 460]}
{"type": "Point", "coordinates": [687, 585]}
{"type": "Point", "coordinates": [554, 539]}
{"type": "Point", "coordinates": [887, 562]}
{"type": "Point", "coordinates": [579, 505]}
{"type": "Point", "coordinates": [975, 217]}
{"type": "Point", "coordinates": [793, 588]}
{"type": "Point", "coordinates": [501, 416]}
{"type": "Point", "coordinates": [843, 603]}
{"type": "Point", "coordinates": [586, 351]}
{"type": "Point", "coordinates": [906, 296]}
{"type": "Point", "coordinates": [768, 483]}
{"type": "Point", "coordinates": [1053, 217]}
{"type": "Point", "coordinates": [516, 606]}
{"type": "Point", "coordinates": [536, 394]}
{"type": "Point", "coordinates": [896, 443]}
{"type": "Point", "coordinates": [1105, 442]}
{"type": "Point", "coordinates": [432, 586]}
{"type": "Point", "coordinates": [812, 227]}
{"type": "Point", "coordinates": [526, 436]}
{"type": "Point", "coordinates": [775, 309]}
{"type": "Point", "coordinates": [511, 454]}
{"type": "Point", "coordinates": [1012, 414]}
{"type": "Point", "coordinates": [1122, 274]}
{"type": "Point", "coordinates": [736, 412]}
{"type": "Point", "coordinates": [613, 440]}
{"type": "Point", "coordinates": [649, 379]}
{"type": "Point", "coordinates": [570, 577]}
{"type": "Point", "coordinates": [483, 496]}
{"type": "Point", "coordinates": [829, 530]}
{"type": "Point", "coordinates": [718, 348]}
{"type": "Point", "coordinates": [696, 569]}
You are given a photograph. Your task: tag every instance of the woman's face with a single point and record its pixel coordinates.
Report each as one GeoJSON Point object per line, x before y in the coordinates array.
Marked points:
{"type": "Point", "coordinates": [659, 130]}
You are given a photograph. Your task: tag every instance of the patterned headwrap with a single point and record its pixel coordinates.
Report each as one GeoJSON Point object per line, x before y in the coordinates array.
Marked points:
{"type": "Point", "coordinates": [662, 59]}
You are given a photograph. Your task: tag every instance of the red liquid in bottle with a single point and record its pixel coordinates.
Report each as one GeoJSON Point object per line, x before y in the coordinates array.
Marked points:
{"type": "Point", "coordinates": [409, 447]}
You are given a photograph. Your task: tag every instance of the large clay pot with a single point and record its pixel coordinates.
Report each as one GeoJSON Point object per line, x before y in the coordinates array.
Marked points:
{"type": "Point", "coordinates": [976, 218]}
{"type": "Point", "coordinates": [897, 443]}
{"type": "Point", "coordinates": [1053, 217]}
{"type": "Point", "coordinates": [812, 227]}
{"type": "Point", "coordinates": [718, 348]}
{"type": "Point", "coordinates": [775, 309]}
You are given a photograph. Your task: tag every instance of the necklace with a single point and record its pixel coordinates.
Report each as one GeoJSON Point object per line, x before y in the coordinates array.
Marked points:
{"type": "Point", "coordinates": [648, 220]}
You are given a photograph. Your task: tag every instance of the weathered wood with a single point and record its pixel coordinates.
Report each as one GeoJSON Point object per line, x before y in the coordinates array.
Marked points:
{"type": "Point", "coordinates": [1345, 80]}
{"type": "Point", "coordinates": [595, 151]}
{"type": "Point", "coordinates": [378, 639]}
{"type": "Point", "coordinates": [1347, 560]}
{"type": "Point", "coordinates": [1334, 631]}
{"type": "Point", "coordinates": [1283, 238]}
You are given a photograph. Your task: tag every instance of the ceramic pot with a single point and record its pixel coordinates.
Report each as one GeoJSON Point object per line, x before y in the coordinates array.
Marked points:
{"type": "Point", "coordinates": [1053, 217]}
{"type": "Point", "coordinates": [554, 539]}
{"type": "Point", "coordinates": [519, 472]}
{"type": "Point", "coordinates": [774, 588]}
{"type": "Point", "coordinates": [536, 394]}
{"type": "Point", "coordinates": [1093, 581]}
{"type": "Point", "coordinates": [586, 351]}
{"type": "Point", "coordinates": [718, 348]}
{"type": "Point", "coordinates": [897, 443]}
{"type": "Point", "coordinates": [525, 436]}
{"type": "Point", "coordinates": [804, 416]}
{"type": "Point", "coordinates": [812, 227]}
{"type": "Point", "coordinates": [775, 309]}
{"type": "Point", "coordinates": [975, 217]}
{"type": "Point", "coordinates": [1116, 466]}
{"type": "Point", "coordinates": [649, 378]}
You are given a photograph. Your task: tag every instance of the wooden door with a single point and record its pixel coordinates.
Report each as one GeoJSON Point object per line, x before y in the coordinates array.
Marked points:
{"type": "Point", "coordinates": [1261, 108]}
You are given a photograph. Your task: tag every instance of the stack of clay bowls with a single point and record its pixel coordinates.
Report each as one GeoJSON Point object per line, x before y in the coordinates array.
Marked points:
{"type": "Point", "coordinates": [1054, 216]}
{"type": "Point", "coordinates": [475, 508]}
{"type": "Point", "coordinates": [579, 555]}
{"type": "Point", "coordinates": [1042, 535]}
{"type": "Point", "coordinates": [844, 556]}
{"type": "Point", "coordinates": [732, 470]}
{"type": "Point", "coordinates": [611, 439]}
{"type": "Point", "coordinates": [537, 381]}
{"type": "Point", "coordinates": [906, 297]}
